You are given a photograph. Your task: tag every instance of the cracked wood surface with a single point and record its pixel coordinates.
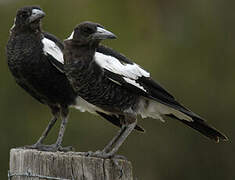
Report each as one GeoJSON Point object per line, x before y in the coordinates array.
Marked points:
{"type": "Point", "coordinates": [28, 164]}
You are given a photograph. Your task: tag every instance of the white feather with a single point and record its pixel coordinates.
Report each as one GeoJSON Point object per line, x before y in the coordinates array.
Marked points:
{"type": "Point", "coordinates": [153, 109]}
{"type": "Point", "coordinates": [13, 26]}
{"type": "Point", "coordinates": [83, 105]}
{"type": "Point", "coordinates": [49, 47]}
{"type": "Point", "coordinates": [133, 82]}
{"type": "Point", "coordinates": [115, 81]}
{"type": "Point", "coordinates": [71, 36]}
{"type": "Point", "coordinates": [132, 71]}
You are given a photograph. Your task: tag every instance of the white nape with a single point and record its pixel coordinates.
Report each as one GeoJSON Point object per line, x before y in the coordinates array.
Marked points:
{"type": "Point", "coordinates": [71, 36]}
{"type": "Point", "coordinates": [132, 71]}
{"type": "Point", "coordinates": [13, 24]}
{"type": "Point", "coordinates": [49, 47]}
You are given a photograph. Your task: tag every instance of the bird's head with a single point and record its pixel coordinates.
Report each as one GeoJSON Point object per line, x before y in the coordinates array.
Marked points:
{"type": "Point", "coordinates": [90, 33]}
{"type": "Point", "coordinates": [28, 18]}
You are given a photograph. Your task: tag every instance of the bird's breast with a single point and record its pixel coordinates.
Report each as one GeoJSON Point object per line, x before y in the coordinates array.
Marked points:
{"type": "Point", "coordinates": [93, 86]}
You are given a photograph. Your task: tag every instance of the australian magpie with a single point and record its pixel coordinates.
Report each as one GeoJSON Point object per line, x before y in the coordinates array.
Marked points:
{"type": "Point", "coordinates": [35, 59]}
{"type": "Point", "coordinates": [32, 55]}
{"type": "Point", "coordinates": [108, 82]}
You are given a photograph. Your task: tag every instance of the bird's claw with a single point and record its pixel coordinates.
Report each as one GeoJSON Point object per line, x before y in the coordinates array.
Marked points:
{"type": "Point", "coordinates": [105, 155]}
{"type": "Point", "coordinates": [66, 149]}
{"type": "Point", "coordinates": [99, 154]}
{"type": "Point", "coordinates": [49, 148]}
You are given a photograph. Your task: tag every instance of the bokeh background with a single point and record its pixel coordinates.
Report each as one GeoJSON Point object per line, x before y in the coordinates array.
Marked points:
{"type": "Point", "coordinates": [187, 45]}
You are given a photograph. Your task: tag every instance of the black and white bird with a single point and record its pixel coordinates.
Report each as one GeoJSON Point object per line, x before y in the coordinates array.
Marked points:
{"type": "Point", "coordinates": [35, 59]}
{"type": "Point", "coordinates": [108, 82]}
{"type": "Point", "coordinates": [32, 55]}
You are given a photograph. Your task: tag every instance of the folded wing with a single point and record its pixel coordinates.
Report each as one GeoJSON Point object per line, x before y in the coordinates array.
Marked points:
{"type": "Point", "coordinates": [155, 101]}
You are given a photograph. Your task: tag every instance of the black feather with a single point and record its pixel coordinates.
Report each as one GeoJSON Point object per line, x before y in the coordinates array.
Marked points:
{"type": "Point", "coordinates": [110, 52]}
{"type": "Point", "coordinates": [202, 127]}
{"type": "Point", "coordinates": [111, 91]}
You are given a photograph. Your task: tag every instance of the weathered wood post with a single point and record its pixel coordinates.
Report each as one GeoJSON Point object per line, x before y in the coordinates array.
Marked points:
{"type": "Point", "coordinates": [37, 165]}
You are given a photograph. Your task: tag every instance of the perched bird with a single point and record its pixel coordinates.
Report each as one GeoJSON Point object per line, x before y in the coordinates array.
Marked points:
{"type": "Point", "coordinates": [35, 59]}
{"type": "Point", "coordinates": [108, 82]}
{"type": "Point", "coordinates": [32, 55]}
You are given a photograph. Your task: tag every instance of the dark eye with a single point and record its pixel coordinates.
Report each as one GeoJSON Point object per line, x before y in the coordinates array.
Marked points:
{"type": "Point", "coordinates": [88, 30]}
{"type": "Point", "coordinates": [24, 14]}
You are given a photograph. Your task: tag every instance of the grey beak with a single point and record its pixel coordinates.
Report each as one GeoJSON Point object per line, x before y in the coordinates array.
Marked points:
{"type": "Point", "coordinates": [36, 14]}
{"type": "Point", "coordinates": [102, 33]}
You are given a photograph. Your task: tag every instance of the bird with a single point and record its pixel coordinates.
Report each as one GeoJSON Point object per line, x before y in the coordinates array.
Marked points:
{"type": "Point", "coordinates": [31, 56]}
{"type": "Point", "coordinates": [114, 85]}
{"type": "Point", "coordinates": [35, 59]}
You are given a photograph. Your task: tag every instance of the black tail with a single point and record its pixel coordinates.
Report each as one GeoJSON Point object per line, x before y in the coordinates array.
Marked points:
{"type": "Point", "coordinates": [201, 126]}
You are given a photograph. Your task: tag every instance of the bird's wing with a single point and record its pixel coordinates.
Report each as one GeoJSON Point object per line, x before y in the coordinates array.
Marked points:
{"type": "Point", "coordinates": [119, 68]}
{"type": "Point", "coordinates": [126, 73]}
{"type": "Point", "coordinates": [53, 48]}
{"type": "Point", "coordinates": [129, 75]}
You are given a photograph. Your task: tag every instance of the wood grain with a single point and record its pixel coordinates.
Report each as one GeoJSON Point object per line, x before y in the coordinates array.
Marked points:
{"type": "Point", "coordinates": [69, 166]}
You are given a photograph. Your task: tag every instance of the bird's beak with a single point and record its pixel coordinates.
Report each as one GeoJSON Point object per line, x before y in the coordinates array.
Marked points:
{"type": "Point", "coordinates": [36, 14]}
{"type": "Point", "coordinates": [102, 33]}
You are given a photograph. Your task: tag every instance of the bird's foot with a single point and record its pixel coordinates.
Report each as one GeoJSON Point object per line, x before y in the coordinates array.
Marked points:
{"type": "Point", "coordinates": [105, 155]}
{"type": "Point", "coordinates": [50, 148]}
{"type": "Point", "coordinates": [99, 154]}
{"type": "Point", "coordinates": [66, 149]}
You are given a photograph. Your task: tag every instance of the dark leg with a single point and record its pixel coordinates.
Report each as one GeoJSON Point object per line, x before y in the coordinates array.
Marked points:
{"type": "Point", "coordinates": [47, 130]}
{"type": "Point", "coordinates": [64, 115]}
{"type": "Point", "coordinates": [117, 141]}
{"type": "Point", "coordinates": [57, 146]}
{"type": "Point", "coordinates": [39, 144]}
{"type": "Point", "coordinates": [122, 138]}
{"type": "Point", "coordinates": [108, 147]}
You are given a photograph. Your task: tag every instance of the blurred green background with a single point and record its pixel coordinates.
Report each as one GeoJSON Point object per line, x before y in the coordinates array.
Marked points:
{"type": "Point", "coordinates": [187, 45]}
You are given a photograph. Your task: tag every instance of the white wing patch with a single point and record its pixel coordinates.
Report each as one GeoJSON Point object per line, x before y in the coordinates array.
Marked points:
{"type": "Point", "coordinates": [131, 71]}
{"type": "Point", "coordinates": [133, 82]}
{"type": "Point", "coordinates": [49, 47]}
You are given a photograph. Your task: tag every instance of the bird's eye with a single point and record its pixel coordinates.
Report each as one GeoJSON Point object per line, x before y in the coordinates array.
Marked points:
{"type": "Point", "coordinates": [24, 14]}
{"type": "Point", "coordinates": [88, 30]}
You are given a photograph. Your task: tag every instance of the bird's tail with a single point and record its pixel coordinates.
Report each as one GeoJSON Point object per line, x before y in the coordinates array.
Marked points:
{"type": "Point", "coordinates": [202, 127]}
{"type": "Point", "coordinates": [154, 109]}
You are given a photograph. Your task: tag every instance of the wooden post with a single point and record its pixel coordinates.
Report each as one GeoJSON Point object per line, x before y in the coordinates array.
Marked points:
{"type": "Point", "coordinates": [28, 164]}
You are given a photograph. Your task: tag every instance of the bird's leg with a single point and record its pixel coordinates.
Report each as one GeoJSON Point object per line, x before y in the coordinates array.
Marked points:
{"type": "Point", "coordinates": [39, 143]}
{"type": "Point", "coordinates": [57, 146]}
{"type": "Point", "coordinates": [108, 147]}
{"type": "Point", "coordinates": [113, 146]}
{"type": "Point", "coordinates": [129, 128]}
{"type": "Point", "coordinates": [64, 115]}
{"type": "Point", "coordinates": [47, 130]}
